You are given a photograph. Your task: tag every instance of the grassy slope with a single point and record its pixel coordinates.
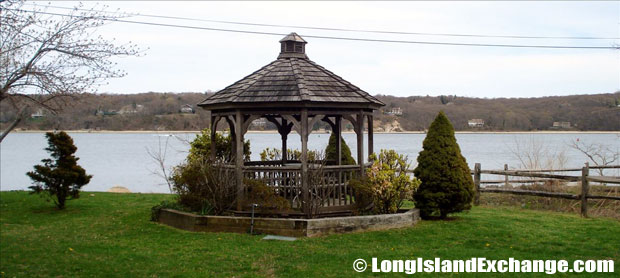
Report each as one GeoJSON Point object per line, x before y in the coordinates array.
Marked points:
{"type": "Point", "coordinates": [110, 235]}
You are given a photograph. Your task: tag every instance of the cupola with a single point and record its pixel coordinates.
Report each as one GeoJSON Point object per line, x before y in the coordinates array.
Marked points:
{"type": "Point", "coordinates": [293, 46]}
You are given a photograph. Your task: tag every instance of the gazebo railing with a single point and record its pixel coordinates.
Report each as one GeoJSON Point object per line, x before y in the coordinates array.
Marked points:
{"type": "Point", "coordinates": [334, 188]}
{"type": "Point", "coordinates": [279, 162]}
{"type": "Point", "coordinates": [286, 180]}
{"type": "Point", "coordinates": [328, 186]}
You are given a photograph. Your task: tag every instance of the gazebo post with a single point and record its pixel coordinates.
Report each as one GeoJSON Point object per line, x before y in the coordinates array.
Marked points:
{"type": "Point", "coordinates": [233, 142]}
{"type": "Point", "coordinates": [370, 135]}
{"type": "Point", "coordinates": [304, 160]}
{"type": "Point", "coordinates": [284, 135]}
{"type": "Point", "coordinates": [360, 141]}
{"type": "Point", "coordinates": [239, 157]}
{"type": "Point", "coordinates": [212, 147]}
{"type": "Point", "coordinates": [338, 139]}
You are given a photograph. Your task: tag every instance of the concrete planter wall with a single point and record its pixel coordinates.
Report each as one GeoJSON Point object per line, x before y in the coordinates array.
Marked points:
{"type": "Point", "coordinates": [288, 227]}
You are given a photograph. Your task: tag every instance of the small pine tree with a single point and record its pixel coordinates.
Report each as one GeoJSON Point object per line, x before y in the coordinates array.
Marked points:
{"type": "Point", "coordinates": [446, 183]}
{"type": "Point", "coordinates": [60, 177]}
{"type": "Point", "coordinates": [331, 153]}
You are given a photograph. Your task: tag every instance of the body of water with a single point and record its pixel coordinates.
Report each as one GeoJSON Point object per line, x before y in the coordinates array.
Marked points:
{"type": "Point", "coordinates": [122, 159]}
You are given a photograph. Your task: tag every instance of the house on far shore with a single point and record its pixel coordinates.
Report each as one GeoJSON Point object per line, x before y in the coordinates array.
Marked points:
{"type": "Point", "coordinates": [259, 123]}
{"type": "Point", "coordinates": [102, 112]}
{"type": "Point", "coordinates": [187, 109]}
{"type": "Point", "coordinates": [396, 111]}
{"type": "Point", "coordinates": [37, 115]}
{"type": "Point", "coordinates": [475, 123]}
{"type": "Point", "coordinates": [131, 109]}
{"type": "Point", "coordinates": [561, 125]}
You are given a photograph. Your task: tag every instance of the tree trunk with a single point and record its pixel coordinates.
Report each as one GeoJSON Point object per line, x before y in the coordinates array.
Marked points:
{"type": "Point", "coordinates": [20, 117]}
{"type": "Point", "coordinates": [62, 198]}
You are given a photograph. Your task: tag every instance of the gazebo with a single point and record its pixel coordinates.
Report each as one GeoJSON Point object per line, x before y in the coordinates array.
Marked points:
{"type": "Point", "coordinates": [295, 93]}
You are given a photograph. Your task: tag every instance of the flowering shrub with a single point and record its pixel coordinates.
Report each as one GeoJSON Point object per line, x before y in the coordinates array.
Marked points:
{"type": "Point", "coordinates": [386, 184]}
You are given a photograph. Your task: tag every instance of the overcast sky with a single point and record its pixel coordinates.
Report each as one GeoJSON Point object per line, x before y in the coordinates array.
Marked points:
{"type": "Point", "coordinates": [185, 60]}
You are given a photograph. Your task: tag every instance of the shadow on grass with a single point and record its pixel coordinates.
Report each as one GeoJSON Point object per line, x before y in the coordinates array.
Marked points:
{"type": "Point", "coordinates": [447, 219]}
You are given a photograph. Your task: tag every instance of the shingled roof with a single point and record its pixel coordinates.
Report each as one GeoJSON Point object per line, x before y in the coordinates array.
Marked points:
{"type": "Point", "coordinates": [292, 79]}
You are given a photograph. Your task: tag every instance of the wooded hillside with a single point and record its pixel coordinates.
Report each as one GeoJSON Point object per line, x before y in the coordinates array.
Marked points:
{"type": "Point", "coordinates": [162, 111]}
{"type": "Point", "coordinates": [584, 112]}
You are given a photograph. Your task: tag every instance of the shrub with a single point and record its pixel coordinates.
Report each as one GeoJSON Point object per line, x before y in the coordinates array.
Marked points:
{"type": "Point", "coordinates": [331, 153]}
{"type": "Point", "coordinates": [203, 185]}
{"type": "Point", "coordinates": [61, 177]}
{"type": "Point", "coordinates": [264, 196]}
{"type": "Point", "coordinates": [200, 148]}
{"type": "Point", "coordinates": [270, 154]}
{"type": "Point", "coordinates": [274, 154]}
{"type": "Point", "coordinates": [386, 184]}
{"type": "Point", "coordinates": [447, 185]}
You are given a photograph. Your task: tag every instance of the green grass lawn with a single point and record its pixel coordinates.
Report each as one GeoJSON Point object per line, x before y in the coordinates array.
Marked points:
{"type": "Point", "coordinates": [110, 235]}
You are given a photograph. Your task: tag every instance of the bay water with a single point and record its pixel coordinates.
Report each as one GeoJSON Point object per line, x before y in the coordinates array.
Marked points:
{"type": "Point", "coordinates": [123, 159]}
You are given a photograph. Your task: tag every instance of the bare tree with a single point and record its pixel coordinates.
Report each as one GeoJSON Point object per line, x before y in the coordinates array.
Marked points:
{"type": "Point", "coordinates": [159, 156]}
{"type": "Point", "coordinates": [536, 154]}
{"type": "Point", "coordinates": [599, 154]}
{"type": "Point", "coordinates": [49, 59]}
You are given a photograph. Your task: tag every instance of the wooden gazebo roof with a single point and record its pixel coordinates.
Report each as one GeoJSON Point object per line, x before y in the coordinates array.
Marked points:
{"type": "Point", "coordinates": [291, 81]}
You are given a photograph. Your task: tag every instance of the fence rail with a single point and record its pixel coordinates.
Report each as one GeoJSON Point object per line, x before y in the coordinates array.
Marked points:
{"type": "Point", "coordinates": [541, 176]}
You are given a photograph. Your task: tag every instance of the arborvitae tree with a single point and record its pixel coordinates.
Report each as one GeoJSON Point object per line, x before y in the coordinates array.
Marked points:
{"type": "Point", "coordinates": [447, 185]}
{"type": "Point", "coordinates": [60, 177]}
{"type": "Point", "coordinates": [331, 153]}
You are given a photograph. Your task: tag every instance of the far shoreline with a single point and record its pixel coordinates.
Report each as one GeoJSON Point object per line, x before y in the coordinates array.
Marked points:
{"type": "Point", "coordinates": [320, 132]}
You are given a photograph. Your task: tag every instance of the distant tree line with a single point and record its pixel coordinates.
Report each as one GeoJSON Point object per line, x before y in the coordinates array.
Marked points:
{"type": "Point", "coordinates": [146, 111]}
{"type": "Point", "coordinates": [584, 112]}
{"type": "Point", "coordinates": [162, 111]}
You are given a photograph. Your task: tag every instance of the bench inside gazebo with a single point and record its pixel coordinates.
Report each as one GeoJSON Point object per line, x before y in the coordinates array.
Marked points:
{"type": "Point", "coordinates": [295, 93]}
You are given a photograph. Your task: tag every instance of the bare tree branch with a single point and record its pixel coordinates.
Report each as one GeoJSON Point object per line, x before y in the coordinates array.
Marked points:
{"type": "Point", "coordinates": [48, 60]}
{"type": "Point", "coordinates": [159, 156]}
{"type": "Point", "coordinates": [599, 154]}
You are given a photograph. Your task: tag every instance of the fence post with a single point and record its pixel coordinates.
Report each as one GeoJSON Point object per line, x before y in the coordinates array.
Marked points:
{"type": "Point", "coordinates": [585, 187]}
{"type": "Point", "coordinates": [505, 176]}
{"type": "Point", "coordinates": [477, 183]}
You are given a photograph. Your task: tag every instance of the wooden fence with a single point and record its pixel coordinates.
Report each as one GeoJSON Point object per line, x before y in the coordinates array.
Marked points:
{"type": "Point", "coordinates": [542, 176]}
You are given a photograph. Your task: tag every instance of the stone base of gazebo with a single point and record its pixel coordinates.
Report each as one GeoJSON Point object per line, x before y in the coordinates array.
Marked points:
{"type": "Point", "coordinates": [288, 226]}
